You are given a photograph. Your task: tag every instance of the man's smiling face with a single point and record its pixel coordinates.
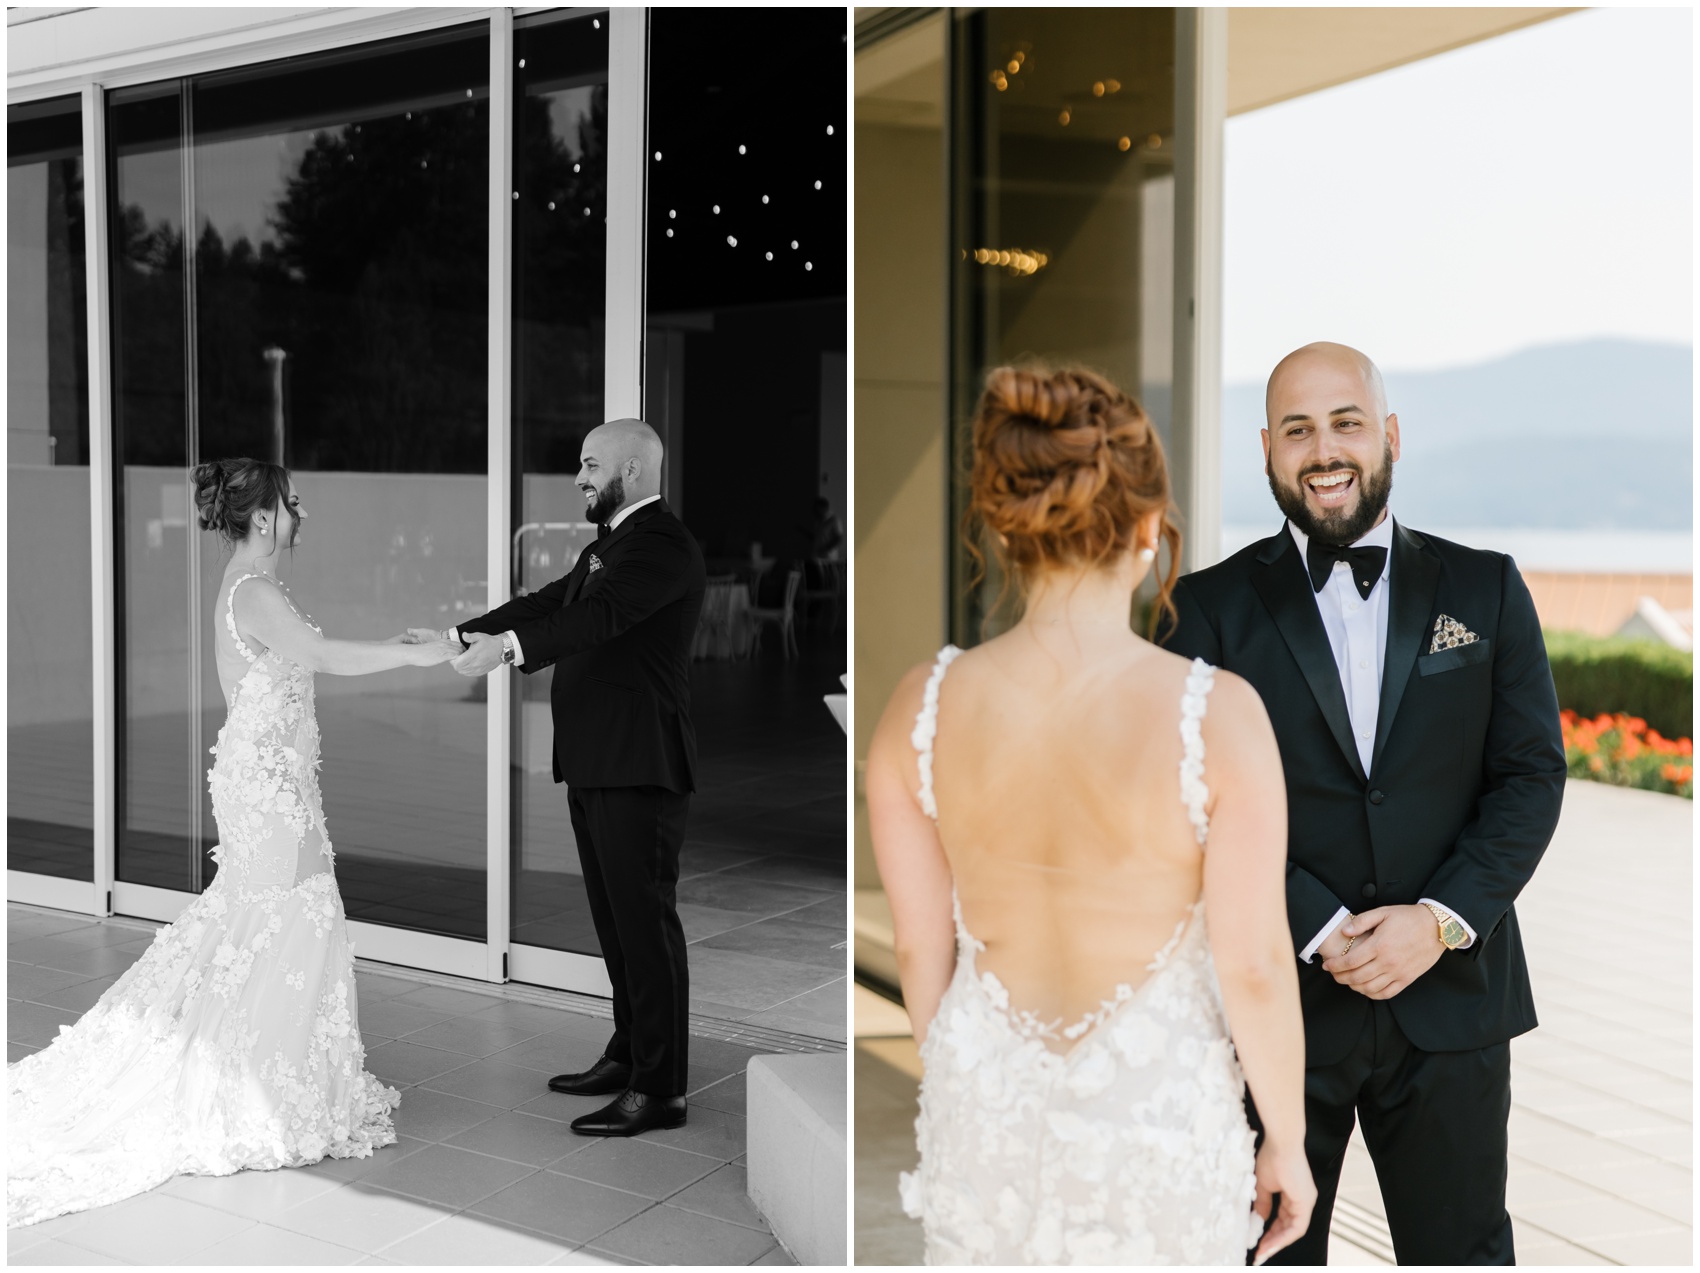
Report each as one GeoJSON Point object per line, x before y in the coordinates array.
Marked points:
{"type": "Point", "coordinates": [1330, 446]}
{"type": "Point", "coordinates": [599, 477]}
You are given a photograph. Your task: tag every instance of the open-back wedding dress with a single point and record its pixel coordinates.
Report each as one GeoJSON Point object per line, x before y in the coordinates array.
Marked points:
{"type": "Point", "coordinates": [233, 1041]}
{"type": "Point", "coordinates": [1118, 1139]}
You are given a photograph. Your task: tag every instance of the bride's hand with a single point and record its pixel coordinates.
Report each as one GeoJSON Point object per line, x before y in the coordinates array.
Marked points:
{"type": "Point", "coordinates": [1285, 1172]}
{"type": "Point", "coordinates": [434, 650]}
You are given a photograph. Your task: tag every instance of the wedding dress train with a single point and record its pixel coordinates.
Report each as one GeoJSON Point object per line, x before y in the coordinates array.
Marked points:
{"type": "Point", "coordinates": [233, 1042]}
{"type": "Point", "coordinates": [1118, 1139]}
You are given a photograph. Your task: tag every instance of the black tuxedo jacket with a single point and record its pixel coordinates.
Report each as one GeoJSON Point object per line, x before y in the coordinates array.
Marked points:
{"type": "Point", "coordinates": [1464, 785]}
{"type": "Point", "coordinates": [618, 629]}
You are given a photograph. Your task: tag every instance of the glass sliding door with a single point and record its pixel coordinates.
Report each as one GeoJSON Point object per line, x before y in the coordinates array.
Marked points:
{"type": "Point", "coordinates": [560, 259]}
{"type": "Point", "coordinates": [163, 835]}
{"type": "Point", "coordinates": [1062, 216]}
{"type": "Point", "coordinates": [340, 286]}
{"type": "Point", "coordinates": [326, 309]}
{"type": "Point", "coordinates": [49, 668]}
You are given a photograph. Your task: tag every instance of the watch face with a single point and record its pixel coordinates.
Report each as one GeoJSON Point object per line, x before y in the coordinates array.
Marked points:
{"type": "Point", "coordinates": [1452, 934]}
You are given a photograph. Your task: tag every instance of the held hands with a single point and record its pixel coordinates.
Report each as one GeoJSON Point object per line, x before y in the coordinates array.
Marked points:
{"type": "Point", "coordinates": [1285, 1172]}
{"type": "Point", "coordinates": [417, 636]}
{"type": "Point", "coordinates": [433, 650]}
{"type": "Point", "coordinates": [1395, 945]}
{"type": "Point", "coordinates": [483, 655]}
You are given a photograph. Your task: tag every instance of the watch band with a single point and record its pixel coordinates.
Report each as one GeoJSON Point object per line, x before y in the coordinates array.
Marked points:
{"type": "Point", "coordinates": [507, 648]}
{"type": "Point", "coordinates": [1451, 933]}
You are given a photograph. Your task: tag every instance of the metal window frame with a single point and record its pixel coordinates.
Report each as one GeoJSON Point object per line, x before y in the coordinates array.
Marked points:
{"type": "Point", "coordinates": [92, 897]}
{"type": "Point", "coordinates": [498, 702]}
{"type": "Point", "coordinates": [493, 959]}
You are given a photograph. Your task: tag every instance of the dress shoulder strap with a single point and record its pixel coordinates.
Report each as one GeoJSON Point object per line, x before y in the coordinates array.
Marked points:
{"type": "Point", "coordinates": [1195, 794]}
{"type": "Point", "coordinates": [927, 728]}
{"type": "Point", "coordinates": [230, 617]}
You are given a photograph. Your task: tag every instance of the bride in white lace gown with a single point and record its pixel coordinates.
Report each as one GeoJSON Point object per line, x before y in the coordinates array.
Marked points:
{"type": "Point", "coordinates": [234, 1041]}
{"type": "Point", "coordinates": [1040, 807]}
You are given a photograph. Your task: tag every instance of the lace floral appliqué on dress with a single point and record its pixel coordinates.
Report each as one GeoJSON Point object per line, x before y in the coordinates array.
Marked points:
{"type": "Point", "coordinates": [233, 1042]}
{"type": "Point", "coordinates": [1126, 1145]}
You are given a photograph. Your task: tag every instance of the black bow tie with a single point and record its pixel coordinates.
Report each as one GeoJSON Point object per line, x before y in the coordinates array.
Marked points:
{"type": "Point", "coordinates": [603, 531]}
{"type": "Point", "coordinates": [1366, 564]}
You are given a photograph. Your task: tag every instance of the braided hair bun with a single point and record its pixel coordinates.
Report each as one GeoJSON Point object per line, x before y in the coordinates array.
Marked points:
{"type": "Point", "coordinates": [1065, 466]}
{"type": "Point", "coordinates": [209, 495]}
{"type": "Point", "coordinates": [229, 492]}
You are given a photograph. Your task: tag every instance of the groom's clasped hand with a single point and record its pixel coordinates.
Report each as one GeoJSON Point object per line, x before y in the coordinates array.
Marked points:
{"type": "Point", "coordinates": [1381, 951]}
{"type": "Point", "coordinates": [481, 655]}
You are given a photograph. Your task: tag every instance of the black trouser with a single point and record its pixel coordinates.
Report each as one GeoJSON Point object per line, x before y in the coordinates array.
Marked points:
{"type": "Point", "coordinates": [628, 843]}
{"type": "Point", "coordinates": [1435, 1127]}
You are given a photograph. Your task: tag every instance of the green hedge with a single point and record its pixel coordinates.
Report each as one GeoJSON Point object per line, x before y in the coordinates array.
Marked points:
{"type": "Point", "coordinates": [1620, 674]}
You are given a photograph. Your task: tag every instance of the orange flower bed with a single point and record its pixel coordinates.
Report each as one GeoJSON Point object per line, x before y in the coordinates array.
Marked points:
{"type": "Point", "coordinates": [1621, 750]}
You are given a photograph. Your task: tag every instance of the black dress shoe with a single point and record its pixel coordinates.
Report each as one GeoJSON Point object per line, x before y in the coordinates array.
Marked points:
{"type": "Point", "coordinates": [631, 1114]}
{"type": "Point", "coordinates": [600, 1079]}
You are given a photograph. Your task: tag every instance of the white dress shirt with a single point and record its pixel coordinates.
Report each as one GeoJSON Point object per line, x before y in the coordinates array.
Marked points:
{"type": "Point", "coordinates": [1357, 633]}
{"type": "Point", "coordinates": [626, 510]}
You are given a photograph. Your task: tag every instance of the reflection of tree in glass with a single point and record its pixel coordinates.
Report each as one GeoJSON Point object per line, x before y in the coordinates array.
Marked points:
{"type": "Point", "coordinates": [67, 310]}
{"type": "Point", "coordinates": [376, 289]}
{"type": "Point", "coordinates": [148, 296]}
{"type": "Point", "coordinates": [376, 286]}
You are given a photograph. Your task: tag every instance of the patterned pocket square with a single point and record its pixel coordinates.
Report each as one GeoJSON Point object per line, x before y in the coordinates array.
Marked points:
{"type": "Point", "coordinates": [596, 564]}
{"type": "Point", "coordinates": [1448, 632]}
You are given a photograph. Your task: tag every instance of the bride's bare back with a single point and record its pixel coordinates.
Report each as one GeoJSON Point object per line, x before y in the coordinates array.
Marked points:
{"type": "Point", "coordinates": [1057, 780]}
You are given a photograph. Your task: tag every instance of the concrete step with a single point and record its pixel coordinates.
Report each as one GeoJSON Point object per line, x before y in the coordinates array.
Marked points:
{"type": "Point", "coordinates": [796, 1147]}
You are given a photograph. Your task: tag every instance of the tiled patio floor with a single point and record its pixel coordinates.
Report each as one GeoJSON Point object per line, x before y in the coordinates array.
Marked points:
{"type": "Point", "coordinates": [1602, 1124]}
{"type": "Point", "coordinates": [485, 1170]}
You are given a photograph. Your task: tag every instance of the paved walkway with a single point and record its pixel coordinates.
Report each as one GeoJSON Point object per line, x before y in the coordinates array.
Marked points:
{"type": "Point", "coordinates": [1601, 1168]}
{"type": "Point", "coordinates": [485, 1170]}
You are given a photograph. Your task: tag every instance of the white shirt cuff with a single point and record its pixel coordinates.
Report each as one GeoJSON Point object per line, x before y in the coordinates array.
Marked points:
{"type": "Point", "coordinates": [1462, 923]}
{"type": "Point", "coordinates": [519, 654]}
{"type": "Point", "coordinates": [1340, 917]}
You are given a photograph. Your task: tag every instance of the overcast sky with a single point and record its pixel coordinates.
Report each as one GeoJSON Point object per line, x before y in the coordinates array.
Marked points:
{"type": "Point", "coordinates": [1530, 189]}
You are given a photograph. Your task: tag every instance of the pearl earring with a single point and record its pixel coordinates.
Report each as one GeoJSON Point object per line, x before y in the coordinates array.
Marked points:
{"type": "Point", "coordinates": [1148, 554]}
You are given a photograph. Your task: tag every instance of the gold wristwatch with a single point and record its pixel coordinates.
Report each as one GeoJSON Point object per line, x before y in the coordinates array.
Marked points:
{"type": "Point", "coordinates": [1452, 934]}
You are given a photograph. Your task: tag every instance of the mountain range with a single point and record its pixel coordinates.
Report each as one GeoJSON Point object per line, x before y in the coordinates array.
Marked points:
{"type": "Point", "coordinates": [1590, 435]}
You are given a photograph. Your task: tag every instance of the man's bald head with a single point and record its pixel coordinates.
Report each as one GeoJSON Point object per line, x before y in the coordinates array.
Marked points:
{"type": "Point", "coordinates": [1331, 443]}
{"type": "Point", "coordinates": [628, 440]}
{"type": "Point", "coordinates": [619, 464]}
{"type": "Point", "coordinates": [1325, 359]}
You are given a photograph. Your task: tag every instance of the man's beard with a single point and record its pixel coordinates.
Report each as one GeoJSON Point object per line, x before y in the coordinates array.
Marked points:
{"type": "Point", "coordinates": [1337, 528]}
{"type": "Point", "coordinates": [606, 501]}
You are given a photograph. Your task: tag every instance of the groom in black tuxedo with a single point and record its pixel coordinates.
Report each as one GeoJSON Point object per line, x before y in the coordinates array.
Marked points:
{"type": "Point", "coordinates": [618, 629]}
{"type": "Point", "coordinates": [1408, 686]}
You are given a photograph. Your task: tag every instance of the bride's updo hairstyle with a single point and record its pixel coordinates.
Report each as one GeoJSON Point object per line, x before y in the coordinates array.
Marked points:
{"type": "Point", "coordinates": [229, 492]}
{"type": "Point", "coordinates": [1065, 464]}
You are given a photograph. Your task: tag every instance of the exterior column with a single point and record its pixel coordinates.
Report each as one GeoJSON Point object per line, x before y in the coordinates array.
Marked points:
{"type": "Point", "coordinates": [1201, 112]}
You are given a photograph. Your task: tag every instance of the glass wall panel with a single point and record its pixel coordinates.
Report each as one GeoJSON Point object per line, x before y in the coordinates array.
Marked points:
{"type": "Point", "coordinates": [49, 694]}
{"type": "Point", "coordinates": [1062, 215]}
{"type": "Point", "coordinates": [336, 321]}
{"type": "Point", "coordinates": [162, 838]}
{"type": "Point", "coordinates": [744, 356]}
{"type": "Point", "coordinates": [559, 284]}
{"type": "Point", "coordinates": [745, 341]}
